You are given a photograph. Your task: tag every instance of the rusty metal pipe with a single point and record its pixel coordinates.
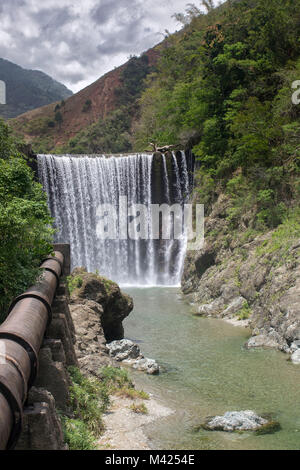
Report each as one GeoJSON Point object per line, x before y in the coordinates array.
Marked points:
{"type": "Point", "coordinates": [6, 422]}
{"type": "Point", "coordinates": [21, 336]}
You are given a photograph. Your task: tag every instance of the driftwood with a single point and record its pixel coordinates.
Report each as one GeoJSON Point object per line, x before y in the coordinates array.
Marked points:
{"type": "Point", "coordinates": [165, 148]}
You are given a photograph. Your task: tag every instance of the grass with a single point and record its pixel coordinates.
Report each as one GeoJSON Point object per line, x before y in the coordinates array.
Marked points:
{"type": "Point", "coordinates": [245, 312]}
{"type": "Point", "coordinates": [139, 408]}
{"type": "Point", "coordinates": [118, 382]}
{"type": "Point", "coordinates": [89, 399]}
{"type": "Point", "coordinates": [283, 236]}
{"type": "Point", "coordinates": [77, 435]}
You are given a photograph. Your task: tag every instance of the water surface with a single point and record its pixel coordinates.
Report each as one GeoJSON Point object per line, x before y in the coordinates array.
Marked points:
{"type": "Point", "coordinates": [206, 371]}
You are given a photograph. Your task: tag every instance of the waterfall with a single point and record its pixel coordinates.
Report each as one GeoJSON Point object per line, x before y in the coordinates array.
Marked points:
{"type": "Point", "coordinates": [77, 185]}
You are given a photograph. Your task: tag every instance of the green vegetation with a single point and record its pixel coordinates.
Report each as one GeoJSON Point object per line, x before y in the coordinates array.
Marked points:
{"type": "Point", "coordinates": [283, 237]}
{"type": "Point", "coordinates": [77, 436]}
{"type": "Point", "coordinates": [87, 106]}
{"type": "Point", "coordinates": [245, 312]}
{"type": "Point", "coordinates": [139, 408]}
{"type": "Point", "coordinates": [58, 118]}
{"type": "Point", "coordinates": [117, 382]}
{"type": "Point", "coordinates": [270, 428]}
{"type": "Point", "coordinates": [24, 223]}
{"type": "Point", "coordinates": [110, 135]}
{"type": "Point", "coordinates": [74, 282]}
{"type": "Point", "coordinates": [223, 87]}
{"type": "Point", "coordinates": [90, 399]}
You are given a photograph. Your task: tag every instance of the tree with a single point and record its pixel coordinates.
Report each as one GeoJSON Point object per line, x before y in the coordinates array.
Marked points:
{"type": "Point", "coordinates": [58, 118]}
{"type": "Point", "coordinates": [25, 233]}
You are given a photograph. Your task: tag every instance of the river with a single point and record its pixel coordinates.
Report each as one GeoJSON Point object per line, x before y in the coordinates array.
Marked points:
{"type": "Point", "coordinates": [206, 371]}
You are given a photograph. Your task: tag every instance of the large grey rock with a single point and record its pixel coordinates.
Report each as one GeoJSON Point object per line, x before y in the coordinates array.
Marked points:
{"type": "Point", "coordinates": [129, 353]}
{"type": "Point", "coordinates": [213, 308]}
{"type": "Point", "coordinates": [123, 349]}
{"type": "Point", "coordinates": [236, 421]}
{"type": "Point", "coordinates": [295, 346]}
{"type": "Point", "coordinates": [149, 366]}
{"type": "Point", "coordinates": [234, 307]}
{"type": "Point", "coordinates": [269, 339]}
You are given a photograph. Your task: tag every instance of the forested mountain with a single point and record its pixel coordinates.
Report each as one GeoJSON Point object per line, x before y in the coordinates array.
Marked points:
{"type": "Point", "coordinates": [97, 119]}
{"type": "Point", "coordinates": [28, 89]}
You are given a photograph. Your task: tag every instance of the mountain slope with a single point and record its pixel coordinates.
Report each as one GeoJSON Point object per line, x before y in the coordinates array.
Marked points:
{"type": "Point", "coordinates": [51, 127]}
{"type": "Point", "coordinates": [28, 89]}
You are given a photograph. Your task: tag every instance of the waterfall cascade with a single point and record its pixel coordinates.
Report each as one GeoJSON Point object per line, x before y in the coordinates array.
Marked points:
{"type": "Point", "coordinates": [77, 185]}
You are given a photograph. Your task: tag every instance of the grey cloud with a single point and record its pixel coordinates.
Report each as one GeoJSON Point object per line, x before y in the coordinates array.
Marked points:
{"type": "Point", "coordinates": [53, 19]}
{"type": "Point", "coordinates": [77, 42]}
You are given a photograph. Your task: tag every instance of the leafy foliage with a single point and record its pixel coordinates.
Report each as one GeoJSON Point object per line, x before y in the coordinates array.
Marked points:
{"type": "Point", "coordinates": [223, 87]}
{"type": "Point", "coordinates": [110, 135]}
{"type": "Point", "coordinates": [25, 233]}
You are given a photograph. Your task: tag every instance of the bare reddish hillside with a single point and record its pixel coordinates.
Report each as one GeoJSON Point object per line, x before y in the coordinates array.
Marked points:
{"type": "Point", "coordinates": [102, 96]}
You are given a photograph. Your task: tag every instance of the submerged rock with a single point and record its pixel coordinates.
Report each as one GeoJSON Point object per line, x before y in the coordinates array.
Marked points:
{"type": "Point", "coordinates": [295, 358]}
{"type": "Point", "coordinates": [128, 352]}
{"type": "Point", "coordinates": [236, 421]}
{"type": "Point", "coordinates": [149, 366]}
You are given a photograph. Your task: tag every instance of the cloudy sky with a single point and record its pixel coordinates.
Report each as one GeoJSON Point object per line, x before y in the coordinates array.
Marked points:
{"type": "Point", "coordinates": [77, 41]}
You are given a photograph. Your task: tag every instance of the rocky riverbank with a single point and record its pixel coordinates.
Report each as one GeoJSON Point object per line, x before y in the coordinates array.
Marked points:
{"type": "Point", "coordinates": [249, 277]}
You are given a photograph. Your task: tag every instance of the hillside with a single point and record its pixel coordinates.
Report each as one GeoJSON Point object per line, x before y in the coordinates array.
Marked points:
{"type": "Point", "coordinates": [63, 125]}
{"type": "Point", "coordinates": [28, 89]}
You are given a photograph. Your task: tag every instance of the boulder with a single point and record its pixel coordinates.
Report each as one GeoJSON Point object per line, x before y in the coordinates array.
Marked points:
{"type": "Point", "coordinates": [115, 305]}
{"type": "Point", "coordinates": [236, 421]}
{"type": "Point", "coordinates": [129, 353]}
{"type": "Point", "coordinates": [124, 349]}
{"type": "Point", "coordinates": [149, 366]}
{"type": "Point", "coordinates": [271, 340]}
{"type": "Point", "coordinates": [234, 307]}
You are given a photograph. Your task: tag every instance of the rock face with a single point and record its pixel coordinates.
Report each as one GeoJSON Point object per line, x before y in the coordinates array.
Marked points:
{"type": "Point", "coordinates": [249, 277]}
{"type": "Point", "coordinates": [129, 353]}
{"type": "Point", "coordinates": [105, 298]}
{"type": "Point", "coordinates": [236, 421]}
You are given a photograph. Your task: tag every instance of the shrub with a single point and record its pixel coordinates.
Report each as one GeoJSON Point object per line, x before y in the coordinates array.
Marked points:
{"type": "Point", "coordinates": [74, 282]}
{"type": "Point", "coordinates": [77, 435]}
{"type": "Point", "coordinates": [87, 106]}
{"type": "Point", "coordinates": [89, 399]}
{"type": "Point", "coordinates": [139, 408]}
{"type": "Point", "coordinates": [26, 236]}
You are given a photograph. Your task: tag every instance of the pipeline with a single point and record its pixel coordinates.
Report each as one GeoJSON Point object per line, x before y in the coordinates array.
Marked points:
{"type": "Point", "coordinates": [21, 336]}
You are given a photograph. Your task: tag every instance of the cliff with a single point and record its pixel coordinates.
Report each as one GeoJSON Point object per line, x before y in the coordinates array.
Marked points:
{"type": "Point", "coordinates": [249, 278]}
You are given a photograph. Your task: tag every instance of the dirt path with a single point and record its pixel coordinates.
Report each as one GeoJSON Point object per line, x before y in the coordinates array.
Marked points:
{"type": "Point", "coordinates": [124, 427]}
